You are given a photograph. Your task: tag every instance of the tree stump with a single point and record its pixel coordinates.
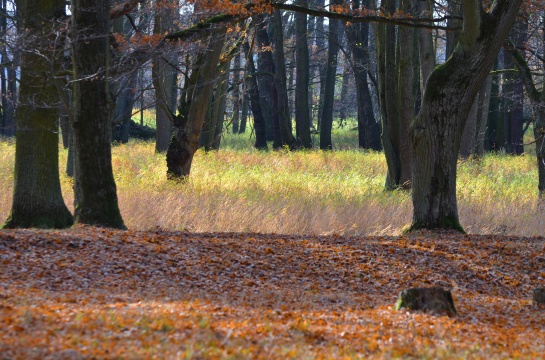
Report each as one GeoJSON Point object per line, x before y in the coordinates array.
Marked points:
{"type": "Point", "coordinates": [434, 300]}
{"type": "Point", "coordinates": [538, 297]}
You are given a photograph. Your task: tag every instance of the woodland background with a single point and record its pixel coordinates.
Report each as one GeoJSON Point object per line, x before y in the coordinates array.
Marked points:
{"type": "Point", "coordinates": [158, 116]}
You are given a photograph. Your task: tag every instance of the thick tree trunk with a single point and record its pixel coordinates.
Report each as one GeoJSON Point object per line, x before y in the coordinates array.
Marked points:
{"type": "Point", "coordinates": [95, 189]}
{"type": "Point", "coordinates": [37, 197]}
{"type": "Point", "coordinates": [449, 95]}
{"type": "Point", "coordinates": [187, 128]}
{"type": "Point", "coordinates": [302, 111]}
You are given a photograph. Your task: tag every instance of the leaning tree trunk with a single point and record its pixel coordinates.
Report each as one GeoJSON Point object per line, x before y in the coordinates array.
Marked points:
{"type": "Point", "coordinates": [37, 197]}
{"type": "Point", "coordinates": [449, 95]}
{"type": "Point", "coordinates": [95, 189]}
{"type": "Point", "coordinates": [187, 127]}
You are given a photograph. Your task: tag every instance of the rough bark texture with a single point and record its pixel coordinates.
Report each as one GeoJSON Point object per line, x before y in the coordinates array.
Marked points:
{"type": "Point", "coordinates": [449, 95]}
{"type": "Point", "coordinates": [95, 189]}
{"type": "Point", "coordinates": [187, 126]}
{"type": "Point", "coordinates": [37, 197]}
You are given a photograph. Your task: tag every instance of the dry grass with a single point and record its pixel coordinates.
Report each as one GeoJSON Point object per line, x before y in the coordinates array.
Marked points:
{"type": "Point", "coordinates": [308, 192]}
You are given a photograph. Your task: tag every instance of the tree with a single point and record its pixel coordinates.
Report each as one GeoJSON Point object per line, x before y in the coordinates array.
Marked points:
{"type": "Point", "coordinates": [164, 79]}
{"type": "Point", "coordinates": [254, 100]}
{"type": "Point", "coordinates": [37, 197]}
{"type": "Point", "coordinates": [448, 97]}
{"type": "Point", "coordinates": [302, 111]}
{"type": "Point", "coordinates": [192, 111]}
{"type": "Point", "coordinates": [95, 189]}
{"type": "Point", "coordinates": [357, 36]}
{"type": "Point", "coordinates": [326, 123]}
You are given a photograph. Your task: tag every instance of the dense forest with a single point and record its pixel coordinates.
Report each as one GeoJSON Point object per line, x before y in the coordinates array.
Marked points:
{"type": "Point", "coordinates": [425, 82]}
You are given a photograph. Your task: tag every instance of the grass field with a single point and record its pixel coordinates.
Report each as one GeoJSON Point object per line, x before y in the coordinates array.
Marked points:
{"type": "Point", "coordinates": [303, 192]}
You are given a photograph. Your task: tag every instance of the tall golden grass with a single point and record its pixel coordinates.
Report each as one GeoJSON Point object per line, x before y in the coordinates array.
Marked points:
{"type": "Point", "coordinates": [303, 192]}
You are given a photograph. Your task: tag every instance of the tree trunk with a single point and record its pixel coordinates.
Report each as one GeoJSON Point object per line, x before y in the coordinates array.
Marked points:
{"type": "Point", "coordinates": [406, 101]}
{"type": "Point", "coordinates": [357, 35]}
{"type": "Point", "coordinates": [326, 123]}
{"type": "Point", "coordinates": [482, 116]}
{"type": "Point", "coordinates": [255, 103]}
{"type": "Point", "coordinates": [267, 90]}
{"type": "Point", "coordinates": [467, 143]}
{"type": "Point", "coordinates": [236, 93]}
{"type": "Point", "coordinates": [187, 126]}
{"type": "Point", "coordinates": [95, 189]}
{"type": "Point", "coordinates": [164, 81]}
{"type": "Point", "coordinates": [493, 112]}
{"type": "Point", "coordinates": [220, 112]}
{"type": "Point", "coordinates": [283, 117]}
{"type": "Point", "coordinates": [449, 95]}
{"type": "Point", "coordinates": [302, 78]}
{"type": "Point", "coordinates": [37, 197]}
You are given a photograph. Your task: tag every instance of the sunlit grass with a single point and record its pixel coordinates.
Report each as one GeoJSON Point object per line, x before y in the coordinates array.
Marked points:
{"type": "Point", "coordinates": [241, 189]}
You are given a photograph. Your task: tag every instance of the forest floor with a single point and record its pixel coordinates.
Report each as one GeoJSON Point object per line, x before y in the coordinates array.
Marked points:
{"type": "Point", "coordinates": [97, 293]}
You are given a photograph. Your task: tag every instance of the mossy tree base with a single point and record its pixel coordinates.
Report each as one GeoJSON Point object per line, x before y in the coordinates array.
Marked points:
{"type": "Point", "coordinates": [449, 223]}
{"type": "Point", "coordinates": [61, 220]}
{"type": "Point", "coordinates": [434, 300]}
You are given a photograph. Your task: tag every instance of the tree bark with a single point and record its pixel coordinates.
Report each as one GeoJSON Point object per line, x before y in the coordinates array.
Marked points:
{"type": "Point", "coordinates": [449, 95]}
{"type": "Point", "coordinates": [164, 81]}
{"type": "Point", "coordinates": [37, 197]}
{"type": "Point", "coordinates": [187, 126]}
{"type": "Point", "coordinates": [283, 117]}
{"type": "Point", "coordinates": [95, 189]}
{"type": "Point", "coordinates": [302, 78]}
{"type": "Point", "coordinates": [326, 123]}
{"type": "Point", "coordinates": [236, 93]}
{"type": "Point", "coordinates": [255, 103]}
{"type": "Point", "coordinates": [267, 90]}
{"type": "Point", "coordinates": [357, 36]}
